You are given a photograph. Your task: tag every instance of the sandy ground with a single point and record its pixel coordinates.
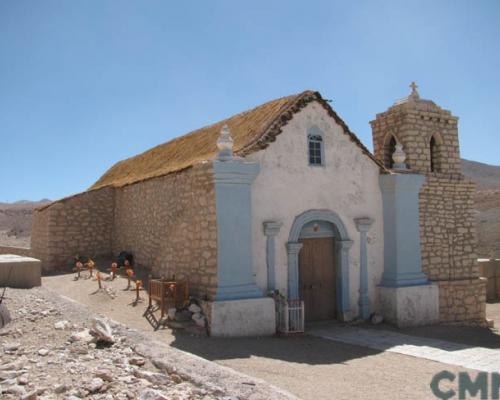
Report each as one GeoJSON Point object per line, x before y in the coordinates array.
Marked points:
{"type": "Point", "coordinates": [311, 368]}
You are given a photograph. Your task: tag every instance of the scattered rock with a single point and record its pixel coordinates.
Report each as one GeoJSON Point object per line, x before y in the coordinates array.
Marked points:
{"type": "Point", "coordinates": [30, 396]}
{"type": "Point", "coordinates": [61, 388]}
{"type": "Point", "coordinates": [13, 346]}
{"type": "Point", "coordinates": [153, 377]}
{"type": "Point", "coordinates": [152, 394]}
{"type": "Point", "coordinates": [102, 330]}
{"type": "Point", "coordinates": [199, 319]}
{"type": "Point", "coordinates": [94, 385]}
{"type": "Point", "coordinates": [82, 336]}
{"type": "Point", "coordinates": [139, 361]}
{"type": "Point", "coordinates": [104, 374]}
{"type": "Point", "coordinates": [194, 308]}
{"type": "Point", "coordinates": [43, 352]}
{"type": "Point", "coordinates": [23, 379]}
{"type": "Point", "coordinates": [61, 325]}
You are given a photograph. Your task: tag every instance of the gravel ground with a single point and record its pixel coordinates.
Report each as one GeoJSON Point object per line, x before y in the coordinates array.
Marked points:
{"type": "Point", "coordinates": [308, 367]}
{"type": "Point", "coordinates": [48, 352]}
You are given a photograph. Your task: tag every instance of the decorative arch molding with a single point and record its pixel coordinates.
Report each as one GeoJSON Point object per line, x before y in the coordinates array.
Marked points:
{"type": "Point", "coordinates": [342, 246]}
{"type": "Point", "coordinates": [317, 215]}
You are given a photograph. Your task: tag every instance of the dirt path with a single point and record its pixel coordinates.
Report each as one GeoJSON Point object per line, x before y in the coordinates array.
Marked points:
{"type": "Point", "coordinates": [311, 368]}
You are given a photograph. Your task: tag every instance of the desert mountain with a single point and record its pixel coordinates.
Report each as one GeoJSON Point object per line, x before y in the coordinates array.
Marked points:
{"type": "Point", "coordinates": [15, 222]}
{"type": "Point", "coordinates": [487, 178]}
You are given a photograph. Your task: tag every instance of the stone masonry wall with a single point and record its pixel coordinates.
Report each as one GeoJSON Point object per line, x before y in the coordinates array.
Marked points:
{"type": "Point", "coordinates": [81, 224]}
{"type": "Point", "coordinates": [169, 224]}
{"type": "Point", "coordinates": [463, 301]}
{"type": "Point", "coordinates": [413, 125]}
{"type": "Point", "coordinates": [447, 237]}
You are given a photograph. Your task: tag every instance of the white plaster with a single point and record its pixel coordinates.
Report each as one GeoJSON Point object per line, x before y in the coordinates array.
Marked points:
{"type": "Point", "coordinates": [13, 258]}
{"type": "Point", "coordinates": [410, 305]}
{"type": "Point", "coordinates": [287, 186]}
{"type": "Point", "coordinates": [249, 317]}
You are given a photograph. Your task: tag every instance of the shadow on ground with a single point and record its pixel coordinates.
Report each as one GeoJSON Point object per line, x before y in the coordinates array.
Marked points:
{"type": "Point", "coordinates": [299, 349]}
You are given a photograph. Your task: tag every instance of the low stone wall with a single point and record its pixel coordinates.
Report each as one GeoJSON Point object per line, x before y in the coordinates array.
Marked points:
{"type": "Point", "coordinates": [490, 270]}
{"type": "Point", "coordinates": [463, 301]}
{"type": "Point", "coordinates": [19, 251]}
{"type": "Point", "coordinates": [169, 224]}
{"type": "Point", "coordinates": [81, 224]}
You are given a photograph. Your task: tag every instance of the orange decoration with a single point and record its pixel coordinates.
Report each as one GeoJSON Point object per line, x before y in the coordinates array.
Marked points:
{"type": "Point", "coordinates": [130, 274]}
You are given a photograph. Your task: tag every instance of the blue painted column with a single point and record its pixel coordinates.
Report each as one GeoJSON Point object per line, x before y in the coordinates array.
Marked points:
{"type": "Point", "coordinates": [271, 229]}
{"type": "Point", "coordinates": [343, 279]}
{"type": "Point", "coordinates": [402, 257]}
{"type": "Point", "coordinates": [293, 249]}
{"type": "Point", "coordinates": [363, 225]}
{"type": "Point", "coordinates": [233, 179]}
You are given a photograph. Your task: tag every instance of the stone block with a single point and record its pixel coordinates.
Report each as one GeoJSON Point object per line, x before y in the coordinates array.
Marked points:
{"type": "Point", "coordinates": [20, 272]}
{"type": "Point", "coordinates": [410, 305]}
{"type": "Point", "coordinates": [248, 317]}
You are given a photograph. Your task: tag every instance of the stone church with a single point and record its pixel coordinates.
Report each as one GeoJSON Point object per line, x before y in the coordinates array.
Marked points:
{"type": "Point", "coordinates": [284, 197]}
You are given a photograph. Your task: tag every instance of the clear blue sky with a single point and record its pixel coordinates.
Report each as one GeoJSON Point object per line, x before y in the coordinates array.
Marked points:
{"type": "Point", "coordinates": [86, 83]}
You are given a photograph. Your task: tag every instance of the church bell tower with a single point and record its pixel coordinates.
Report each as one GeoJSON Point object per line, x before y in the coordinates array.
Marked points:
{"type": "Point", "coordinates": [416, 136]}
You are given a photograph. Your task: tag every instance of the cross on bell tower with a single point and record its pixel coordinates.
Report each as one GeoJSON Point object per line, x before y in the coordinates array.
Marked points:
{"type": "Point", "coordinates": [414, 92]}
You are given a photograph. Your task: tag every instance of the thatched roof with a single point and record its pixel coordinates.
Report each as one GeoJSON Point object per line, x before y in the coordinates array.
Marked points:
{"type": "Point", "coordinates": [251, 131]}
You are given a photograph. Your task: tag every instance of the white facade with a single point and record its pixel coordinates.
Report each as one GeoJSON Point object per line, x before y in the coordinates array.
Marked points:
{"type": "Point", "coordinates": [287, 186]}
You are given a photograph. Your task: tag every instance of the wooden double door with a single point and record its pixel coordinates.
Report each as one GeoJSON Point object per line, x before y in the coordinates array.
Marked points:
{"type": "Point", "coordinates": [317, 278]}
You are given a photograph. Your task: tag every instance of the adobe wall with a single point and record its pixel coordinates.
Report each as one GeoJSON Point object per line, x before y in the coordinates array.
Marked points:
{"type": "Point", "coordinates": [169, 223]}
{"type": "Point", "coordinates": [448, 243]}
{"type": "Point", "coordinates": [81, 224]}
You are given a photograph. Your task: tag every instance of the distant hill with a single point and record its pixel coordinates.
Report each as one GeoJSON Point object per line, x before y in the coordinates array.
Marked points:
{"type": "Point", "coordinates": [15, 222]}
{"type": "Point", "coordinates": [487, 178]}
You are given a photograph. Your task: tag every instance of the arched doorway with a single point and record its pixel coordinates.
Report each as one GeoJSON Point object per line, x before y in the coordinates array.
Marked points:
{"type": "Point", "coordinates": [318, 271]}
{"type": "Point", "coordinates": [318, 264]}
